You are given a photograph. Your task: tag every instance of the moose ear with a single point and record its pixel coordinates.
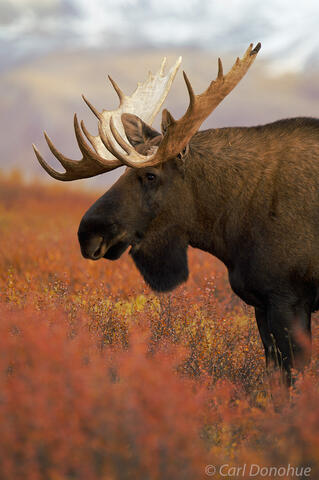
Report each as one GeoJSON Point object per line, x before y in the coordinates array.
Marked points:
{"type": "Point", "coordinates": [138, 132]}
{"type": "Point", "coordinates": [167, 120]}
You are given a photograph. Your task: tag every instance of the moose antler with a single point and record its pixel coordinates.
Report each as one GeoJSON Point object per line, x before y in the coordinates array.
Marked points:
{"type": "Point", "coordinates": [180, 132]}
{"type": "Point", "coordinates": [145, 102]}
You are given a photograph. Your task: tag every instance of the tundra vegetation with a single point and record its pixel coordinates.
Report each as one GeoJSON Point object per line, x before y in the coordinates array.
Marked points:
{"type": "Point", "coordinates": [101, 378]}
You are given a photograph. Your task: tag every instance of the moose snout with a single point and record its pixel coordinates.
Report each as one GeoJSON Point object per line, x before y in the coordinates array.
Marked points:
{"type": "Point", "coordinates": [93, 246]}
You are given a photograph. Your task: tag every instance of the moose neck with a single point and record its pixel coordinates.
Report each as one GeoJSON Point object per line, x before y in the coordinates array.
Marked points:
{"type": "Point", "coordinates": [224, 170]}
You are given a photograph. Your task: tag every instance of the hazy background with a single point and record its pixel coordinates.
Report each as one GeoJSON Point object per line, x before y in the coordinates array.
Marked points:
{"type": "Point", "coordinates": [51, 51]}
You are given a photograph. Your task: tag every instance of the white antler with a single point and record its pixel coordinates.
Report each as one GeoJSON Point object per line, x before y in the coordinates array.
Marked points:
{"type": "Point", "coordinates": [145, 102]}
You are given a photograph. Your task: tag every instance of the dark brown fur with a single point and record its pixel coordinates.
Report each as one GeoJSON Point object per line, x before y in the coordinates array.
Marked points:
{"type": "Point", "coordinates": [249, 196]}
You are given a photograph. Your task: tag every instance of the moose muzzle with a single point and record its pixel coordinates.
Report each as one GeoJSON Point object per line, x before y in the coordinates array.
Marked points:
{"type": "Point", "coordinates": [93, 246]}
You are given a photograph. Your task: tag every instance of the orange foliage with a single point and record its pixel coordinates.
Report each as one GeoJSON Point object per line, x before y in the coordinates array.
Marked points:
{"type": "Point", "coordinates": [102, 379]}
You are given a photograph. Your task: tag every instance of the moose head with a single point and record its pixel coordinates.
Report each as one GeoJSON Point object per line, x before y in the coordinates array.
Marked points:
{"type": "Point", "coordinates": [158, 206]}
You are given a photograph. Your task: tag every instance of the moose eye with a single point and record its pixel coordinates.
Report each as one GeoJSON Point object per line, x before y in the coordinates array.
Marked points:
{"type": "Point", "coordinates": [151, 177]}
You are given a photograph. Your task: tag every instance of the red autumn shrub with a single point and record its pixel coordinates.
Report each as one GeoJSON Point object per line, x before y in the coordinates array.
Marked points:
{"type": "Point", "coordinates": [100, 378]}
{"type": "Point", "coordinates": [70, 410]}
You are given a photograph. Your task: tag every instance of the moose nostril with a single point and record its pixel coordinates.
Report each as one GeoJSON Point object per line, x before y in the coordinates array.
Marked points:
{"type": "Point", "coordinates": [97, 252]}
{"type": "Point", "coordinates": [95, 247]}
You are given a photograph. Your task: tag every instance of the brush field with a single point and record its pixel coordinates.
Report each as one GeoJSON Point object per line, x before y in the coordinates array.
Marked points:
{"type": "Point", "coordinates": [101, 379]}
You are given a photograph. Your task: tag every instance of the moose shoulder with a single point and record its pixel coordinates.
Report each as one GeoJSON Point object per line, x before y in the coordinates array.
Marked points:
{"type": "Point", "coordinates": [249, 196]}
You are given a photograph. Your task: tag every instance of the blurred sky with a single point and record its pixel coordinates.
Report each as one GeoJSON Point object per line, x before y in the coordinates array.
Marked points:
{"type": "Point", "coordinates": [288, 29]}
{"type": "Point", "coordinates": [53, 50]}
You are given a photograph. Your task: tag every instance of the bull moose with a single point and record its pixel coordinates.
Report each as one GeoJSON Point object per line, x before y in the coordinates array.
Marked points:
{"type": "Point", "coordinates": [248, 195]}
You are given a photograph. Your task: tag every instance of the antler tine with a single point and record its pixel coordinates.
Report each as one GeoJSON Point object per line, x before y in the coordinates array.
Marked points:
{"type": "Point", "coordinates": [256, 49]}
{"type": "Point", "coordinates": [92, 108]}
{"type": "Point", "coordinates": [190, 90]}
{"type": "Point", "coordinates": [65, 161]}
{"type": "Point", "coordinates": [249, 50]}
{"type": "Point", "coordinates": [53, 173]}
{"type": "Point", "coordinates": [109, 144]}
{"type": "Point", "coordinates": [88, 135]}
{"type": "Point", "coordinates": [162, 68]}
{"type": "Point", "coordinates": [220, 74]}
{"type": "Point", "coordinates": [119, 92]}
{"type": "Point", "coordinates": [86, 151]}
{"type": "Point", "coordinates": [126, 147]}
